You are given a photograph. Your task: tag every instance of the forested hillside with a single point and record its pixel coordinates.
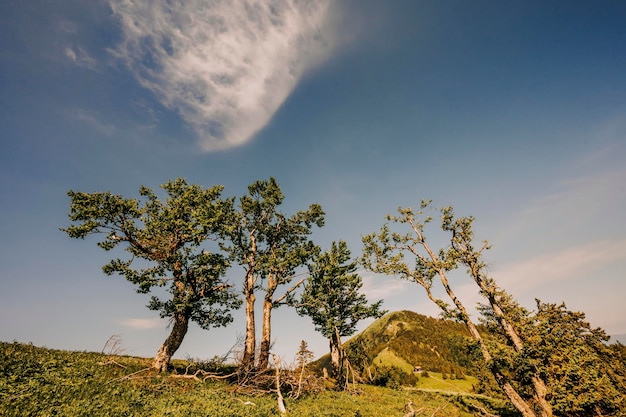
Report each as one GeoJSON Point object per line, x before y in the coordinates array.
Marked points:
{"type": "Point", "coordinates": [434, 345]}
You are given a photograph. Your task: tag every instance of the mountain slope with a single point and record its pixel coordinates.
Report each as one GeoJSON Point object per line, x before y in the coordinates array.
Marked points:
{"type": "Point", "coordinates": [405, 339]}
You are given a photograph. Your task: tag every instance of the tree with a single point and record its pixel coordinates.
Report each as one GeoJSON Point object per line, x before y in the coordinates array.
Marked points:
{"type": "Point", "coordinates": [271, 247]}
{"type": "Point", "coordinates": [168, 236]}
{"type": "Point", "coordinates": [333, 301]}
{"type": "Point", "coordinates": [303, 357]}
{"type": "Point", "coordinates": [503, 308]}
{"type": "Point", "coordinates": [583, 374]}
{"type": "Point", "coordinates": [386, 251]}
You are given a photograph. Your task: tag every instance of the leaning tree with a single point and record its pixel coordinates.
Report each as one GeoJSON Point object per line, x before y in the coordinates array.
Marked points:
{"type": "Point", "coordinates": [165, 241]}
{"type": "Point", "coordinates": [387, 252]}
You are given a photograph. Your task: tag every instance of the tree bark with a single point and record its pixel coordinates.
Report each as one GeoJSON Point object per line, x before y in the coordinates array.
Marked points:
{"type": "Point", "coordinates": [266, 330]}
{"type": "Point", "coordinates": [337, 358]}
{"type": "Point", "coordinates": [266, 335]}
{"type": "Point", "coordinates": [247, 361]}
{"type": "Point", "coordinates": [172, 343]}
{"type": "Point", "coordinates": [539, 386]}
{"type": "Point", "coordinates": [509, 390]}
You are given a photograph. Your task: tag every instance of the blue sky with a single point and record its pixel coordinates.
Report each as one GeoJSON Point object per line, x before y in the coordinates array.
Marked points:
{"type": "Point", "coordinates": [513, 112]}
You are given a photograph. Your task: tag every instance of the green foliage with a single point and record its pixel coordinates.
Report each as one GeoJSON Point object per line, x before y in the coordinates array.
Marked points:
{"type": "Point", "coordinates": [584, 374]}
{"type": "Point", "coordinates": [332, 297]}
{"type": "Point", "coordinates": [41, 382]}
{"type": "Point", "coordinates": [167, 235]}
{"type": "Point", "coordinates": [271, 247]}
{"type": "Point", "coordinates": [259, 236]}
{"type": "Point", "coordinates": [434, 344]}
{"type": "Point", "coordinates": [393, 377]}
{"type": "Point", "coordinates": [304, 355]}
{"type": "Point", "coordinates": [333, 301]}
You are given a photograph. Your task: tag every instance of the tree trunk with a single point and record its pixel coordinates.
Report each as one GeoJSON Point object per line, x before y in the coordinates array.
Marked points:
{"type": "Point", "coordinates": [172, 343]}
{"type": "Point", "coordinates": [247, 361]}
{"type": "Point", "coordinates": [337, 358]}
{"type": "Point", "coordinates": [509, 390]}
{"type": "Point", "coordinates": [266, 335]}
{"type": "Point", "coordinates": [539, 385]}
{"type": "Point", "coordinates": [266, 331]}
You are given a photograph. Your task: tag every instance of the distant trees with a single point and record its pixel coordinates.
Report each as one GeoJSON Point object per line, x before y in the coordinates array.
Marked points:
{"type": "Point", "coordinates": [271, 247]}
{"type": "Point", "coordinates": [168, 236]}
{"type": "Point", "coordinates": [333, 301]}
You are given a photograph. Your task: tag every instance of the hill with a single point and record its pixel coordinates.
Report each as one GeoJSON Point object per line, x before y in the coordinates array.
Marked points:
{"type": "Point", "coordinates": [36, 381]}
{"type": "Point", "coordinates": [409, 341]}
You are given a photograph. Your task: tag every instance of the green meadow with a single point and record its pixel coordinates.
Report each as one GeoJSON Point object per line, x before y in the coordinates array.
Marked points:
{"type": "Point", "coordinates": [36, 381]}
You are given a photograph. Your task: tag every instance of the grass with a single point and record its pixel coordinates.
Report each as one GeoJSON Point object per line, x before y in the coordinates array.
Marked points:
{"type": "Point", "coordinates": [37, 381]}
{"type": "Point", "coordinates": [436, 382]}
{"type": "Point", "coordinates": [388, 357]}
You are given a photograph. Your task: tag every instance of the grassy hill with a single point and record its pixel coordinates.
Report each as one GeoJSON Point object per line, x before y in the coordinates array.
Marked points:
{"type": "Point", "coordinates": [404, 340]}
{"type": "Point", "coordinates": [37, 381]}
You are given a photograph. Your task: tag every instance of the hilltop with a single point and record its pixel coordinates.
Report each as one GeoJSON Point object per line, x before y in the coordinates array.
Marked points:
{"type": "Point", "coordinates": [410, 342]}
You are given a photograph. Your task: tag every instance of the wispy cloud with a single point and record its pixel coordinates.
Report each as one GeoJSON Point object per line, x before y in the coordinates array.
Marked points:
{"type": "Point", "coordinates": [143, 324]}
{"type": "Point", "coordinates": [381, 287]}
{"type": "Point", "coordinates": [224, 66]}
{"type": "Point", "coordinates": [568, 263]}
{"type": "Point", "coordinates": [576, 209]}
{"type": "Point", "coordinates": [92, 120]}
{"type": "Point", "coordinates": [80, 57]}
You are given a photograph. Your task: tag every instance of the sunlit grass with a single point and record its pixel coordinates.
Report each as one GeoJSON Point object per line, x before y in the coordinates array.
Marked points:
{"type": "Point", "coordinates": [41, 382]}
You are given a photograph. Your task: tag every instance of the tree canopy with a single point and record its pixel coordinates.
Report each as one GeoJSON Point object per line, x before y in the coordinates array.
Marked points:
{"type": "Point", "coordinates": [270, 246]}
{"type": "Point", "coordinates": [332, 298]}
{"type": "Point", "coordinates": [168, 236]}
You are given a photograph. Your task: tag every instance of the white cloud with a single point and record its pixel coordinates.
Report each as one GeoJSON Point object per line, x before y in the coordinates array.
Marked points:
{"type": "Point", "coordinates": [559, 266]}
{"type": "Point", "coordinates": [224, 66]}
{"type": "Point", "coordinates": [377, 287]}
{"type": "Point", "coordinates": [90, 119]}
{"type": "Point", "coordinates": [143, 324]}
{"type": "Point", "coordinates": [80, 57]}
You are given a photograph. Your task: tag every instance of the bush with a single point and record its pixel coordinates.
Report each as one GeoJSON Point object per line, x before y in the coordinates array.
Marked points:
{"type": "Point", "coordinates": [392, 377]}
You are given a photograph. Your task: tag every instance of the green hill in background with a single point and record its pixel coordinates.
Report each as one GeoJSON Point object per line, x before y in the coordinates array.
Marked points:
{"type": "Point", "coordinates": [409, 342]}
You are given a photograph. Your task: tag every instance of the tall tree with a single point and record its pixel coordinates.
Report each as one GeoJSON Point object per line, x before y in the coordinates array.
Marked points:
{"type": "Point", "coordinates": [271, 247]}
{"type": "Point", "coordinates": [504, 309]}
{"type": "Point", "coordinates": [333, 301]}
{"type": "Point", "coordinates": [168, 236]}
{"type": "Point", "coordinates": [386, 251]}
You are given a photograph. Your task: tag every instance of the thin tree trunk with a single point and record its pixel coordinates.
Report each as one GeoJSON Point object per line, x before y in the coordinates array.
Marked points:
{"type": "Point", "coordinates": [509, 390]}
{"type": "Point", "coordinates": [337, 358]}
{"type": "Point", "coordinates": [539, 386]}
{"type": "Point", "coordinates": [506, 386]}
{"type": "Point", "coordinates": [266, 334]}
{"type": "Point", "coordinates": [247, 361]}
{"type": "Point", "coordinates": [172, 343]}
{"type": "Point", "coordinates": [266, 330]}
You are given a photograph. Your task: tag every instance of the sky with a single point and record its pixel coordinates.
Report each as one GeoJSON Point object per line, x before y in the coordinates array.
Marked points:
{"type": "Point", "coordinates": [512, 112]}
